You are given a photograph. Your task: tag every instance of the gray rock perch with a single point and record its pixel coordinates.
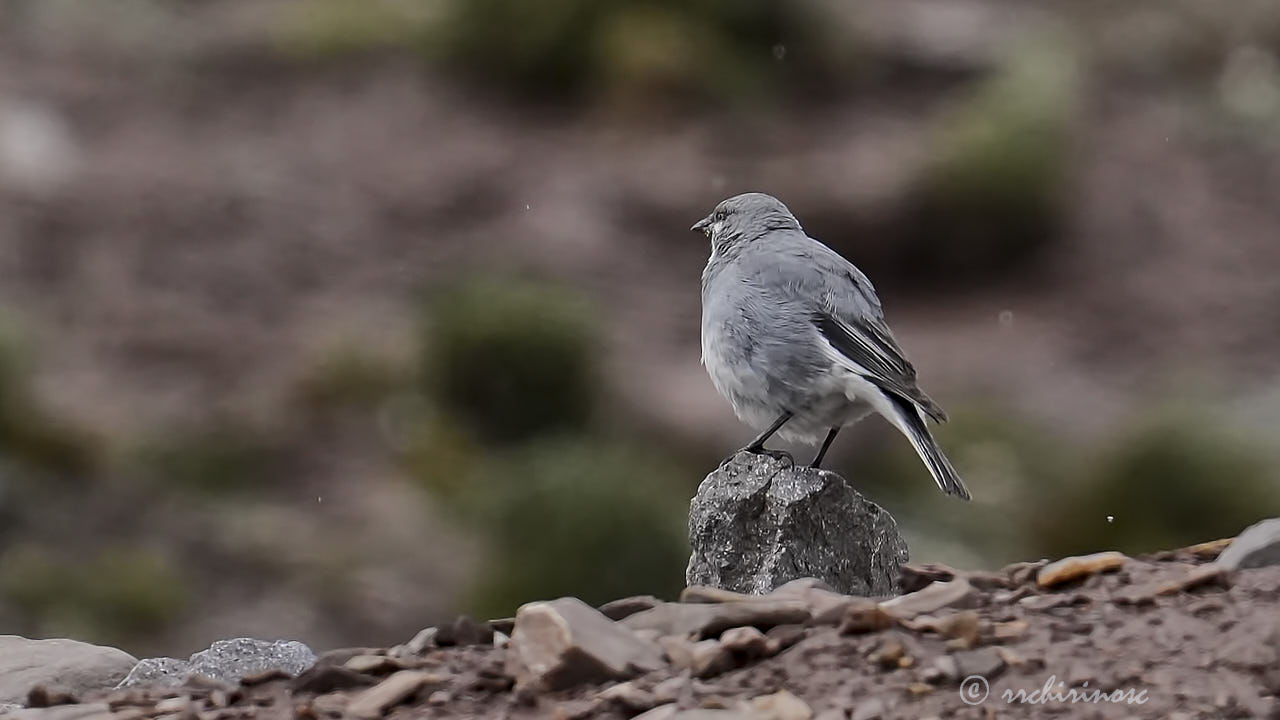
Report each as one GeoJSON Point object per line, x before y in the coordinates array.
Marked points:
{"type": "Point", "coordinates": [757, 523]}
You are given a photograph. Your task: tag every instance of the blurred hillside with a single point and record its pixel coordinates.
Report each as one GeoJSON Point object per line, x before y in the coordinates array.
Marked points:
{"type": "Point", "coordinates": [326, 320]}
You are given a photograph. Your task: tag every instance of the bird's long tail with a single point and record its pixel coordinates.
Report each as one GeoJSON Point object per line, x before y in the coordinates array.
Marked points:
{"type": "Point", "coordinates": [908, 420]}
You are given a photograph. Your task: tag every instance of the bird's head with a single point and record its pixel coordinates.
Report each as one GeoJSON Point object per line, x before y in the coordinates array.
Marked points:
{"type": "Point", "coordinates": [743, 218]}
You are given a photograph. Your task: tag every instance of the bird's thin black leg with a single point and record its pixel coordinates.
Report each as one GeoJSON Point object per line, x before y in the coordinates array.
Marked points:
{"type": "Point", "coordinates": [756, 447]}
{"type": "Point", "coordinates": [822, 452]}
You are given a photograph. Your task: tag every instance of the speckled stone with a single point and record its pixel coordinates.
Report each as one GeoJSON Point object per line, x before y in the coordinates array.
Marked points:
{"type": "Point", "coordinates": [157, 672]}
{"type": "Point", "coordinates": [225, 660]}
{"type": "Point", "coordinates": [757, 523]}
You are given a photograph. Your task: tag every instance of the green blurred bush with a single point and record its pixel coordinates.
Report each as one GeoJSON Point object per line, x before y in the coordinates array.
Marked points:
{"type": "Point", "coordinates": [346, 378]}
{"type": "Point", "coordinates": [994, 190]}
{"type": "Point", "coordinates": [1166, 482]}
{"type": "Point", "coordinates": [582, 517]}
{"type": "Point", "coordinates": [445, 460]}
{"type": "Point", "coordinates": [322, 29]}
{"type": "Point", "coordinates": [222, 457]}
{"type": "Point", "coordinates": [31, 436]}
{"type": "Point", "coordinates": [1007, 460]}
{"type": "Point", "coordinates": [13, 365]}
{"type": "Point", "coordinates": [514, 448]}
{"type": "Point", "coordinates": [119, 595]}
{"type": "Point", "coordinates": [511, 359]}
{"type": "Point", "coordinates": [1171, 482]}
{"type": "Point", "coordinates": [719, 49]}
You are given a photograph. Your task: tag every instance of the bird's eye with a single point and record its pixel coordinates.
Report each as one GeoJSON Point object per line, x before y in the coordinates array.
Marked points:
{"type": "Point", "coordinates": [720, 214]}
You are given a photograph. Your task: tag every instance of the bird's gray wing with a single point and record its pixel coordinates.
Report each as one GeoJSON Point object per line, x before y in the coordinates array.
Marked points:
{"type": "Point", "coordinates": [869, 345]}
{"type": "Point", "coordinates": [848, 314]}
{"type": "Point", "coordinates": [795, 271]}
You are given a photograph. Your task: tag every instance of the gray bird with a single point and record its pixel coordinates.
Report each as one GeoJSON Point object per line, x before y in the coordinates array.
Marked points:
{"type": "Point", "coordinates": [793, 336]}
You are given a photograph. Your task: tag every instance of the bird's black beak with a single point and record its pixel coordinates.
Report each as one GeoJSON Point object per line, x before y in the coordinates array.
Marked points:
{"type": "Point", "coordinates": [703, 225]}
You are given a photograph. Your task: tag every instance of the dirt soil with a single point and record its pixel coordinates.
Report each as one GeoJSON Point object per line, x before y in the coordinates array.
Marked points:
{"type": "Point", "coordinates": [1172, 633]}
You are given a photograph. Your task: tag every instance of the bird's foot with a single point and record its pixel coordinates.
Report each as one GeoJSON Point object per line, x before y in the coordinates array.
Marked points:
{"type": "Point", "coordinates": [779, 455]}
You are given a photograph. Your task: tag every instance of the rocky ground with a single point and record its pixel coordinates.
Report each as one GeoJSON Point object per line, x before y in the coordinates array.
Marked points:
{"type": "Point", "coordinates": [1180, 634]}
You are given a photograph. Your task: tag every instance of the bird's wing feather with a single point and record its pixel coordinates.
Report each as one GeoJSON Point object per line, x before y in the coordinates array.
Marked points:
{"type": "Point", "coordinates": [872, 349]}
{"type": "Point", "coordinates": [846, 311]}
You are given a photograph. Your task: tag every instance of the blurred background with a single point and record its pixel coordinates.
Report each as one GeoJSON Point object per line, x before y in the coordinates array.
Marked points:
{"type": "Point", "coordinates": [327, 320]}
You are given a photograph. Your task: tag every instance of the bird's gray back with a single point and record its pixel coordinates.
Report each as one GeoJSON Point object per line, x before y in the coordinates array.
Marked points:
{"type": "Point", "coordinates": [790, 268]}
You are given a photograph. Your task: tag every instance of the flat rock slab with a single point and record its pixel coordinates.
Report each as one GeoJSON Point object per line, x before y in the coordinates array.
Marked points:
{"type": "Point", "coordinates": [565, 642]}
{"type": "Point", "coordinates": [757, 523]}
{"type": "Point", "coordinates": [705, 620]}
{"type": "Point", "coordinates": [66, 665]}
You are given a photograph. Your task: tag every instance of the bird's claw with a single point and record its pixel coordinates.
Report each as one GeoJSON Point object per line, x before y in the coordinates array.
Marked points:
{"type": "Point", "coordinates": [780, 455]}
